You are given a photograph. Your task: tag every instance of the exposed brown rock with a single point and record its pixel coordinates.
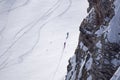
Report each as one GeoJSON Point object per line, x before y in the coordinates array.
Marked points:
{"type": "Point", "coordinates": [101, 66]}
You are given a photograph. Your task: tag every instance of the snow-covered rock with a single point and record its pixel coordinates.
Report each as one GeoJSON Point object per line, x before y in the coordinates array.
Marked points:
{"type": "Point", "coordinates": [99, 32]}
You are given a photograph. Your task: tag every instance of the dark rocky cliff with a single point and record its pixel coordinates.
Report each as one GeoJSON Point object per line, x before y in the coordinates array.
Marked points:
{"type": "Point", "coordinates": [96, 57]}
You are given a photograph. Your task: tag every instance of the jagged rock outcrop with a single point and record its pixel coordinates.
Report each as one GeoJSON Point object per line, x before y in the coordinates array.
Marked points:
{"type": "Point", "coordinates": [96, 58]}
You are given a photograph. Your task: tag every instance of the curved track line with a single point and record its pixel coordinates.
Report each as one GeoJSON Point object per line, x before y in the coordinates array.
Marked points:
{"type": "Point", "coordinates": [1, 31]}
{"type": "Point", "coordinates": [48, 13]}
{"type": "Point", "coordinates": [20, 38]}
{"type": "Point", "coordinates": [37, 41]}
{"type": "Point", "coordinates": [60, 59]}
{"type": "Point", "coordinates": [70, 4]}
{"type": "Point", "coordinates": [4, 63]}
{"type": "Point", "coordinates": [19, 6]}
{"type": "Point", "coordinates": [2, 1]}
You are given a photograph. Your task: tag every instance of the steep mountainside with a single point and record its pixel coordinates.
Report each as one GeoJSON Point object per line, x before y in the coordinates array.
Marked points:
{"type": "Point", "coordinates": [97, 56]}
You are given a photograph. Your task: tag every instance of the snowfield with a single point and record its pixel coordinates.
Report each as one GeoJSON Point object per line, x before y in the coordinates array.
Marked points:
{"type": "Point", "coordinates": [37, 37]}
{"type": "Point", "coordinates": [114, 27]}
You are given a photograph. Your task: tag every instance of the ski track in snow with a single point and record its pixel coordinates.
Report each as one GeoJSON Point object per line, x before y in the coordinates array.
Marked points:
{"type": "Point", "coordinates": [32, 24]}
{"type": "Point", "coordinates": [1, 1]}
{"type": "Point", "coordinates": [19, 6]}
{"type": "Point", "coordinates": [46, 15]}
{"type": "Point", "coordinates": [2, 31]}
{"type": "Point", "coordinates": [60, 59]}
{"type": "Point", "coordinates": [70, 3]}
{"type": "Point", "coordinates": [24, 31]}
{"type": "Point", "coordinates": [33, 32]}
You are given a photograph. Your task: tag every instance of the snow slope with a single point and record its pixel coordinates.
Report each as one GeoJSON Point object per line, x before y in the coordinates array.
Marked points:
{"type": "Point", "coordinates": [116, 75]}
{"type": "Point", "coordinates": [37, 37]}
{"type": "Point", "coordinates": [114, 27]}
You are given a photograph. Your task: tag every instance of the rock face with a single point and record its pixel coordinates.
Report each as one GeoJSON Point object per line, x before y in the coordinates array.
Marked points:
{"type": "Point", "coordinates": [96, 57]}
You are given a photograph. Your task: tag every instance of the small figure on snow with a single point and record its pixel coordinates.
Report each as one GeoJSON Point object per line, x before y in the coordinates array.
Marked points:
{"type": "Point", "coordinates": [67, 35]}
{"type": "Point", "coordinates": [64, 45]}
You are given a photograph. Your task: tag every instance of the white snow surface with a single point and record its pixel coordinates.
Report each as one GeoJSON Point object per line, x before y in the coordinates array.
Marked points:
{"type": "Point", "coordinates": [116, 75]}
{"type": "Point", "coordinates": [33, 43]}
{"type": "Point", "coordinates": [89, 78]}
{"type": "Point", "coordinates": [114, 26]}
{"type": "Point", "coordinates": [89, 64]}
